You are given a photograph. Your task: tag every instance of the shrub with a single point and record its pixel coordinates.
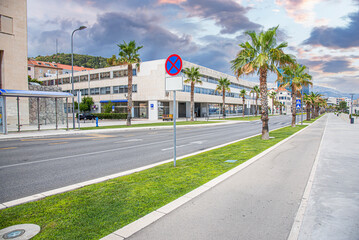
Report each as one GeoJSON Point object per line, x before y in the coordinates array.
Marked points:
{"type": "Point", "coordinates": [111, 115]}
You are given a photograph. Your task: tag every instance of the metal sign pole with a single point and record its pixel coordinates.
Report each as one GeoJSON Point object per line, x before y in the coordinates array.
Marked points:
{"type": "Point", "coordinates": [174, 128]}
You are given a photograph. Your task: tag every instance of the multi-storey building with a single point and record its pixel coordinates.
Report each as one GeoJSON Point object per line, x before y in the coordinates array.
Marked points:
{"type": "Point", "coordinates": [40, 69]}
{"type": "Point", "coordinates": [150, 98]}
{"type": "Point", "coordinates": [13, 56]}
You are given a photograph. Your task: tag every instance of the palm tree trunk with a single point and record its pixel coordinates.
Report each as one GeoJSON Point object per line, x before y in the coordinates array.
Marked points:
{"type": "Point", "coordinates": [256, 104]}
{"type": "Point", "coordinates": [313, 115]}
{"type": "Point", "coordinates": [308, 112]}
{"type": "Point", "coordinates": [293, 107]}
{"type": "Point", "coordinates": [224, 103]}
{"type": "Point", "coordinates": [273, 106]}
{"type": "Point", "coordinates": [129, 99]}
{"type": "Point", "coordinates": [192, 101]}
{"type": "Point", "coordinates": [264, 103]}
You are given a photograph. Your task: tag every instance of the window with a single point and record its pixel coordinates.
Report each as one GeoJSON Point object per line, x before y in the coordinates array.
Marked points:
{"type": "Point", "coordinates": [124, 88]}
{"type": "Point", "coordinates": [40, 70]}
{"type": "Point", "coordinates": [104, 75]}
{"type": "Point", "coordinates": [84, 92]}
{"type": "Point", "coordinates": [134, 72]}
{"type": "Point", "coordinates": [66, 80]}
{"type": "Point", "coordinates": [94, 77]}
{"type": "Point", "coordinates": [76, 79]}
{"type": "Point", "coordinates": [28, 68]}
{"type": "Point", "coordinates": [94, 91]}
{"type": "Point", "coordinates": [83, 78]}
{"type": "Point", "coordinates": [6, 25]}
{"type": "Point", "coordinates": [105, 90]}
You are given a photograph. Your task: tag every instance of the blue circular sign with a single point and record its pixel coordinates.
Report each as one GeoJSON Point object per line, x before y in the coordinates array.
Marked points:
{"type": "Point", "coordinates": [173, 65]}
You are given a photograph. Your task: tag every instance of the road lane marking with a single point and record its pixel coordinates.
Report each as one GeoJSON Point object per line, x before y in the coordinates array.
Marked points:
{"type": "Point", "coordinates": [57, 143]}
{"type": "Point", "coordinates": [7, 148]}
{"type": "Point", "coordinates": [130, 140]}
{"type": "Point", "coordinates": [185, 145]}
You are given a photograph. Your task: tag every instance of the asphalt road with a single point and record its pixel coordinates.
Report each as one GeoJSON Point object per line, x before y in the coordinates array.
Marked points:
{"type": "Point", "coordinates": [31, 166]}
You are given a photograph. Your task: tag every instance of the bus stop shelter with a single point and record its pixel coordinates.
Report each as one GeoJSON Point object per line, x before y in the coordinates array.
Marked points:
{"type": "Point", "coordinates": [5, 93]}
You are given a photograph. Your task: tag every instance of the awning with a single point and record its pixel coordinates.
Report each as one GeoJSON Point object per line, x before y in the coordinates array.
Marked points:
{"type": "Point", "coordinates": [114, 101]}
{"type": "Point", "coordinates": [25, 93]}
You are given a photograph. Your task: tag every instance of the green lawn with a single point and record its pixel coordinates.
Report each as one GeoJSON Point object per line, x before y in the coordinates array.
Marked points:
{"type": "Point", "coordinates": [313, 120]}
{"type": "Point", "coordinates": [152, 124]}
{"type": "Point", "coordinates": [97, 210]}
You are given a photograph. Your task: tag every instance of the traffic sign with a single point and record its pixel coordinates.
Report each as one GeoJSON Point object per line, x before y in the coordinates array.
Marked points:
{"type": "Point", "coordinates": [298, 103]}
{"type": "Point", "coordinates": [173, 65]}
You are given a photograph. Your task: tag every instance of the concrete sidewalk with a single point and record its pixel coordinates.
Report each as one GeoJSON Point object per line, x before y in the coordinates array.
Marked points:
{"type": "Point", "coordinates": [333, 206]}
{"type": "Point", "coordinates": [259, 202]}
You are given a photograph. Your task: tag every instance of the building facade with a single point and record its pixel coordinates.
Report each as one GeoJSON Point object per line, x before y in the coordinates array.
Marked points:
{"type": "Point", "coordinates": [150, 98]}
{"type": "Point", "coordinates": [13, 55]}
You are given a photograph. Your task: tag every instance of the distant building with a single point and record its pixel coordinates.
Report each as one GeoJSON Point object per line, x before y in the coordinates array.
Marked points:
{"type": "Point", "coordinates": [150, 98]}
{"type": "Point", "coordinates": [345, 99]}
{"type": "Point", "coordinates": [40, 69]}
{"type": "Point", "coordinates": [332, 101]}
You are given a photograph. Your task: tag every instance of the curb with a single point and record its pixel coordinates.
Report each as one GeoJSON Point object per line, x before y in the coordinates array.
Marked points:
{"type": "Point", "coordinates": [298, 220]}
{"type": "Point", "coordinates": [150, 218]}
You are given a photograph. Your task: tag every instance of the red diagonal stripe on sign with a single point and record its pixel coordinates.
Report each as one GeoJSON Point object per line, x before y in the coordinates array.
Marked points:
{"type": "Point", "coordinates": [173, 64]}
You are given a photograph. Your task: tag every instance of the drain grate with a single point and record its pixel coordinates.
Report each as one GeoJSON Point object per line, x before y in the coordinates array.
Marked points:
{"type": "Point", "coordinates": [231, 161]}
{"type": "Point", "coordinates": [19, 232]}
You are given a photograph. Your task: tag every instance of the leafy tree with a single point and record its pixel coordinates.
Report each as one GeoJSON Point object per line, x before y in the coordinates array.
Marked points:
{"type": "Point", "coordinates": [193, 77]}
{"type": "Point", "coordinates": [79, 60]}
{"type": "Point", "coordinates": [86, 103]}
{"type": "Point", "coordinates": [108, 107]}
{"type": "Point", "coordinates": [261, 55]}
{"type": "Point", "coordinates": [295, 77]}
{"type": "Point", "coordinates": [222, 87]}
{"type": "Point", "coordinates": [113, 61]}
{"type": "Point", "coordinates": [129, 56]}
{"type": "Point", "coordinates": [29, 79]}
{"type": "Point", "coordinates": [243, 94]}
{"type": "Point", "coordinates": [343, 106]}
{"type": "Point", "coordinates": [257, 91]}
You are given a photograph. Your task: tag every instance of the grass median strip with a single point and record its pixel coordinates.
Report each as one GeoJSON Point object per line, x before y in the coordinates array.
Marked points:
{"type": "Point", "coordinates": [97, 210]}
{"type": "Point", "coordinates": [152, 124]}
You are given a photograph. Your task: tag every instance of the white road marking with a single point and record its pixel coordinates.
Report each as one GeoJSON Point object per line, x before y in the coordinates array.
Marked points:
{"type": "Point", "coordinates": [171, 148]}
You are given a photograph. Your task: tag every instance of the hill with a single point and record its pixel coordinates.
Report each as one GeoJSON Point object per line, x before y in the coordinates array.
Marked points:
{"type": "Point", "coordinates": [79, 60]}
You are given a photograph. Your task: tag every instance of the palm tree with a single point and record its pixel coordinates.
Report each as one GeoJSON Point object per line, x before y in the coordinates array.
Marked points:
{"type": "Point", "coordinates": [313, 102]}
{"type": "Point", "coordinates": [222, 87]}
{"type": "Point", "coordinates": [261, 55]}
{"type": "Point", "coordinates": [243, 94]}
{"type": "Point", "coordinates": [128, 55]}
{"type": "Point", "coordinates": [257, 91]}
{"type": "Point", "coordinates": [307, 103]}
{"type": "Point", "coordinates": [193, 77]}
{"type": "Point", "coordinates": [281, 105]}
{"type": "Point", "coordinates": [273, 95]}
{"type": "Point", "coordinates": [295, 77]}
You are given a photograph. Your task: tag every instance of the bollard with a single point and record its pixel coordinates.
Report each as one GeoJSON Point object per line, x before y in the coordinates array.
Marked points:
{"type": "Point", "coordinates": [96, 121]}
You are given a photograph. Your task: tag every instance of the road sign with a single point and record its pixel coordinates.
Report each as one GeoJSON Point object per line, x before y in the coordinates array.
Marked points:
{"type": "Point", "coordinates": [174, 84]}
{"type": "Point", "coordinates": [173, 65]}
{"type": "Point", "coordinates": [298, 103]}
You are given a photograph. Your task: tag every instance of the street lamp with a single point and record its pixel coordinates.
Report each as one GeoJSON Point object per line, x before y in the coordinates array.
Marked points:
{"type": "Point", "coordinates": [72, 69]}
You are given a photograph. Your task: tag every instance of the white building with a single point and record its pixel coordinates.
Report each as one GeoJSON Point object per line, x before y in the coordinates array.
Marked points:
{"type": "Point", "coordinates": [150, 99]}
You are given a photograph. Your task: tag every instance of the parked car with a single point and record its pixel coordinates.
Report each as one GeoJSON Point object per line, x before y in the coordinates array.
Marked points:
{"type": "Point", "coordinates": [86, 116]}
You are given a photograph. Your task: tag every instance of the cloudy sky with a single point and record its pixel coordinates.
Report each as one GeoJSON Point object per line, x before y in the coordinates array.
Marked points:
{"type": "Point", "coordinates": [322, 34]}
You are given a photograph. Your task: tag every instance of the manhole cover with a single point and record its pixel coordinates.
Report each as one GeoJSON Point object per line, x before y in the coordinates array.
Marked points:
{"type": "Point", "coordinates": [19, 232]}
{"type": "Point", "coordinates": [231, 161]}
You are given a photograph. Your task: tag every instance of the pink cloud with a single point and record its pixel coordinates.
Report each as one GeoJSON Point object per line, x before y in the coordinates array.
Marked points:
{"type": "Point", "coordinates": [171, 1]}
{"type": "Point", "coordinates": [300, 10]}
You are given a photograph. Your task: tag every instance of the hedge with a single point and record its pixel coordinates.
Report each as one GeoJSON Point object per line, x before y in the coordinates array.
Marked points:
{"type": "Point", "coordinates": [111, 115]}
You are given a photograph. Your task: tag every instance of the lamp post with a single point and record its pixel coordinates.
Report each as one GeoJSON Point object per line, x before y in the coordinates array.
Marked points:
{"type": "Point", "coordinates": [72, 69]}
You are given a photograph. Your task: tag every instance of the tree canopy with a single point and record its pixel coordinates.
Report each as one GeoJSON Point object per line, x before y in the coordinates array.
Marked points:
{"type": "Point", "coordinates": [79, 60]}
